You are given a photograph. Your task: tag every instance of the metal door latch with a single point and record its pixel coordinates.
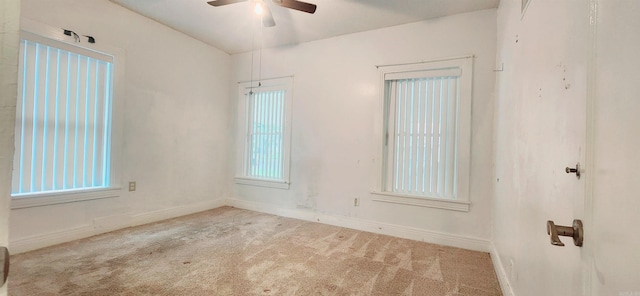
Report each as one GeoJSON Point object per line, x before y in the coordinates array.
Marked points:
{"type": "Point", "coordinates": [575, 231]}
{"type": "Point", "coordinates": [4, 264]}
{"type": "Point", "coordinates": [575, 170]}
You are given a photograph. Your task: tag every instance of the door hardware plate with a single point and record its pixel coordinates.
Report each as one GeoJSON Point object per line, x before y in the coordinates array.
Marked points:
{"type": "Point", "coordinates": [578, 235]}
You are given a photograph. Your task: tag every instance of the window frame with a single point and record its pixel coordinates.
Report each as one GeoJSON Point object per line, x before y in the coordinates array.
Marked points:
{"type": "Point", "coordinates": [51, 36]}
{"type": "Point", "coordinates": [463, 151]}
{"type": "Point", "coordinates": [242, 139]}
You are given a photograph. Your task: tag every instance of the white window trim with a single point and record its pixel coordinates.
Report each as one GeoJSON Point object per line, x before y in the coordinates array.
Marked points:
{"type": "Point", "coordinates": [242, 178]}
{"type": "Point", "coordinates": [53, 36]}
{"type": "Point", "coordinates": [462, 202]}
{"type": "Point", "coordinates": [60, 197]}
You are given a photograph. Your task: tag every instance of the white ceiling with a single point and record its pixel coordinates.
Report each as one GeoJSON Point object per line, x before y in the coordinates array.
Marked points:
{"type": "Point", "coordinates": [229, 27]}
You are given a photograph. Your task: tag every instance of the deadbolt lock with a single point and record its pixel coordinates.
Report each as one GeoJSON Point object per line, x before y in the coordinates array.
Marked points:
{"type": "Point", "coordinates": [575, 170]}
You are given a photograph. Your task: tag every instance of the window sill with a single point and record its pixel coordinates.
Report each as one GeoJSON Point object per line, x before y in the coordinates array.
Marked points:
{"type": "Point", "coordinates": [45, 199]}
{"type": "Point", "coordinates": [446, 204]}
{"type": "Point", "coordinates": [279, 184]}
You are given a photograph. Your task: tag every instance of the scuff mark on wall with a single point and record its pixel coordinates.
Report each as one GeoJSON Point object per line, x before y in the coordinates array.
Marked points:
{"type": "Point", "coordinates": [308, 200]}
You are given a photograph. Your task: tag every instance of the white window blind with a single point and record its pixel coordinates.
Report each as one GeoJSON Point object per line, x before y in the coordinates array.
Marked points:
{"type": "Point", "coordinates": [422, 121]}
{"type": "Point", "coordinates": [63, 121]}
{"type": "Point", "coordinates": [265, 134]}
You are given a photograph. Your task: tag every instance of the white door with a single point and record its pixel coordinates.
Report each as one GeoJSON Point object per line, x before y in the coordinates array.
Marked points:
{"type": "Point", "coordinates": [580, 75]}
{"type": "Point", "coordinates": [9, 46]}
{"type": "Point", "coordinates": [551, 53]}
{"type": "Point", "coordinates": [614, 234]}
{"type": "Point", "coordinates": [587, 83]}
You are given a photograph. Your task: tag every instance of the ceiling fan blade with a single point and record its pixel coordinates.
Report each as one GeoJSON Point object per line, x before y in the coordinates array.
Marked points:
{"type": "Point", "coordinates": [297, 5]}
{"type": "Point", "coordinates": [223, 2]}
{"type": "Point", "coordinates": [267, 18]}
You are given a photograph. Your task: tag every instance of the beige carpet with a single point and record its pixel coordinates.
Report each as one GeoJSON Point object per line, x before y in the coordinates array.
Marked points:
{"type": "Point", "coordinates": [228, 251]}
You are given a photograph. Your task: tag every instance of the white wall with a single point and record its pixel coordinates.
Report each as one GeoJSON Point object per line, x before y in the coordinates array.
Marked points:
{"type": "Point", "coordinates": [175, 125]}
{"type": "Point", "coordinates": [335, 105]}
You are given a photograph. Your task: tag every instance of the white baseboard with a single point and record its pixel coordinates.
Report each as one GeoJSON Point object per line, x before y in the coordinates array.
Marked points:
{"type": "Point", "coordinates": [106, 224]}
{"type": "Point", "coordinates": [164, 214]}
{"type": "Point", "coordinates": [418, 234]}
{"type": "Point", "coordinates": [505, 285]}
{"type": "Point", "coordinates": [33, 242]}
{"type": "Point", "coordinates": [111, 223]}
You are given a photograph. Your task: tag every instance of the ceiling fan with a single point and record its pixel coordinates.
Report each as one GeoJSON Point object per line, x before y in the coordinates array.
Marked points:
{"type": "Point", "coordinates": [261, 8]}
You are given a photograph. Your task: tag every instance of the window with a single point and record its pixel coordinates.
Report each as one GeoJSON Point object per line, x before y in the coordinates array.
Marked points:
{"type": "Point", "coordinates": [63, 134]}
{"type": "Point", "coordinates": [264, 123]}
{"type": "Point", "coordinates": [426, 133]}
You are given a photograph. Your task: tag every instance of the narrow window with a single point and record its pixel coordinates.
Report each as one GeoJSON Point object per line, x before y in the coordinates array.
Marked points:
{"type": "Point", "coordinates": [264, 120]}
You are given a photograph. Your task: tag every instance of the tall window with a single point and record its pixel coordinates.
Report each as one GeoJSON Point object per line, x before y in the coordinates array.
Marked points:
{"type": "Point", "coordinates": [426, 130]}
{"type": "Point", "coordinates": [265, 123]}
{"type": "Point", "coordinates": [63, 119]}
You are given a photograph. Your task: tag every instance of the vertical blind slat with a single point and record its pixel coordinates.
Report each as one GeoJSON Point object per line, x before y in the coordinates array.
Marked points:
{"type": "Point", "coordinates": [419, 147]}
{"type": "Point", "coordinates": [442, 122]}
{"type": "Point", "coordinates": [263, 134]}
{"type": "Point", "coordinates": [279, 130]}
{"type": "Point", "coordinates": [427, 138]}
{"type": "Point", "coordinates": [34, 119]}
{"type": "Point", "coordinates": [68, 125]}
{"type": "Point", "coordinates": [267, 141]}
{"type": "Point", "coordinates": [254, 135]}
{"type": "Point", "coordinates": [272, 124]}
{"type": "Point", "coordinates": [405, 131]}
{"type": "Point", "coordinates": [397, 136]}
{"type": "Point", "coordinates": [275, 146]}
{"type": "Point", "coordinates": [106, 163]}
{"type": "Point", "coordinates": [45, 112]}
{"type": "Point", "coordinates": [450, 137]}
{"type": "Point", "coordinates": [257, 133]}
{"type": "Point", "coordinates": [56, 128]}
{"type": "Point", "coordinates": [18, 186]}
{"type": "Point", "coordinates": [85, 127]}
{"type": "Point", "coordinates": [435, 137]}
{"type": "Point", "coordinates": [94, 140]}
{"type": "Point", "coordinates": [251, 139]}
{"type": "Point", "coordinates": [410, 168]}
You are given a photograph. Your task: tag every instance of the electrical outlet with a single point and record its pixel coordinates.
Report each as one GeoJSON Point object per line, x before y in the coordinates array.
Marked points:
{"type": "Point", "coordinates": [132, 186]}
{"type": "Point", "coordinates": [356, 202]}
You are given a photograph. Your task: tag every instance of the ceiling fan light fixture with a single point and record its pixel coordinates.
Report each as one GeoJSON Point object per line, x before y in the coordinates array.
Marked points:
{"type": "Point", "coordinates": [258, 9]}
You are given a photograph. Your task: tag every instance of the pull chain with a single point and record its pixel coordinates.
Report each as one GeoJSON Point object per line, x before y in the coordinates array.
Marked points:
{"type": "Point", "coordinates": [253, 37]}
{"type": "Point", "coordinates": [261, 46]}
